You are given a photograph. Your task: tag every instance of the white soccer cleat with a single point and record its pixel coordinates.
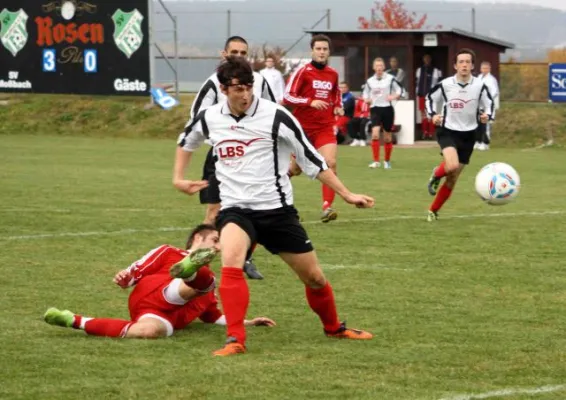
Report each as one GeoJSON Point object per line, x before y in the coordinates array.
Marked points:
{"type": "Point", "coordinates": [387, 165]}
{"type": "Point", "coordinates": [354, 143]}
{"type": "Point", "coordinates": [375, 164]}
{"type": "Point", "coordinates": [362, 143]}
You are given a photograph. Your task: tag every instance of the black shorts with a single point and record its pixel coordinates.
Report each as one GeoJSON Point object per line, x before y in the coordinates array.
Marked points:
{"type": "Point", "coordinates": [210, 195]}
{"type": "Point", "coordinates": [463, 142]}
{"type": "Point", "coordinates": [383, 116]}
{"type": "Point", "coordinates": [278, 230]}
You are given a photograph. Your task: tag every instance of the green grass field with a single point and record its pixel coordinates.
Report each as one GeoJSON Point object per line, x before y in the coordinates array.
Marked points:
{"type": "Point", "coordinates": [471, 304]}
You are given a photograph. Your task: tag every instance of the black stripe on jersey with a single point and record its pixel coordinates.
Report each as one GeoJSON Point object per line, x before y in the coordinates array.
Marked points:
{"type": "Point", "coordinates": [281, 117]}
{"type": "Point", "coordinates": [264, 85]}
{"type": "Point", "coordinates": [209, 85]}
{"type": "Point", "coordinates": [274, 136]}
{"type": "Point", "coordinates": [429, 97]}
{"type": "Point", "coordinates": [445, 107]}
{"type": "Point", "coordinates": [189, 128]}
{"type": "Point", "coordinates": [492, 108]}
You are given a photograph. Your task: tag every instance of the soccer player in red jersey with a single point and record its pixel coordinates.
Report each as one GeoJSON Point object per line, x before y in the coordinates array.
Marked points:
{"type": "Point", "coordinates": [172, 288]}
{"type": "Point", "coordinates": [314, 94]}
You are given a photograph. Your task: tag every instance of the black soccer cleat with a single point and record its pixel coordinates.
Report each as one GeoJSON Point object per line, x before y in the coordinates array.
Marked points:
{"type": "Point", "coordinates": [251, 270]}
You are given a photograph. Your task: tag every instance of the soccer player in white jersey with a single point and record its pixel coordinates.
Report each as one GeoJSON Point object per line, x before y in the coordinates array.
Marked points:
{"type": "Point", "coordinates": [484, 130]}
{"type": "Point", "coordinates": [275, 79]}
{"type": "Point", "coordinates": [379, 92]}
{"type": "Point", "coordinates": [208, 95]}
{"type": "Point", "coordinates": [462, 97]}
{"type": "Point", "coordinates": [253, 140]}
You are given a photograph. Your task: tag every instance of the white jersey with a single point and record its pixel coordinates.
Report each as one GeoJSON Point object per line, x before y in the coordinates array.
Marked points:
{"type": "Point", "coordinates": [493, 87]}
{"type": "Point", "coordinates": [460, 102]}
{"type": "Point", "coordinates": [378, 89]}
{"type": "Point", "coordinates": [252, 153]}
{"type": "Point", "coordinates": [274, 78]}
{"type": "Point", "coordinates": [210, 93]}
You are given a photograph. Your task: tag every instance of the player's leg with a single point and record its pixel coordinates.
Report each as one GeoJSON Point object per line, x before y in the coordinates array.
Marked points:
{"type": "Point", "coordinates": [107, 327]}
{"type": "Point", "coordinates": [388, 119]}
{"type": "Point", "coordinates": [353, 128]}
{"type": "Point", "coordinates": [375, 137]}
{"type": "Point", "coordinates": [326, 145]}
{"type": "Point", "coordinates": [237, 234]}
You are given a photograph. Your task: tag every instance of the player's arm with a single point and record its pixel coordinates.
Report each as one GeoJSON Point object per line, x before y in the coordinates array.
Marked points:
{"type": "Point", "coordinates": [149, 264]}
{"type": "Point", "coordinates": [281, 84]}
{"type": "Point", "coordinates": [433, 98]}
{"type": "Point", "coordinates": [207, 96]}
{"type": "Point", "coordinates": [366, 94]}
{"type": "Point", "coordinates": [487, 105]}
{"type": "Point", "coordinates": [292, 96]}
{"type": "Point", "coordinates": [190, 140]}
{"type": "Point", "coordinates": [338, 106]}
{"type": "Point", "coordinates": [311, 162]}
{"type": "Point", "coordinates": [396, 89]}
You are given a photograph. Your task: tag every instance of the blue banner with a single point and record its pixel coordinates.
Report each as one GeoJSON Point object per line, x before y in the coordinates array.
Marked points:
{"type": "Point", "coordinates": [165, 100]}
{"type": "Point", "coordinates": [557, 83]}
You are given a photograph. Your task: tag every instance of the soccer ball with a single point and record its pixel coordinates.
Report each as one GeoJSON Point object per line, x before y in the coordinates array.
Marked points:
{"type": "Point", "coordinates": [497, 183]}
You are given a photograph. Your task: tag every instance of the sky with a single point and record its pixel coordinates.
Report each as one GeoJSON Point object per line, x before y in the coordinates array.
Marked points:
{"type": "Point", "coordinates": [558, 4]}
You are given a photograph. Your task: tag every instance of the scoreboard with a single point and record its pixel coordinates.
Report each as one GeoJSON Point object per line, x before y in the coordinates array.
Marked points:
{"type": "Point", "coordinates": [75, 47]}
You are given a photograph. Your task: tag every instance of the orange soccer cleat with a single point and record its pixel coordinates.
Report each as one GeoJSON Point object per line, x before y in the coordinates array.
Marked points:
{"type": "Point", "coordinates": [348, 333]}
{"type": "Point", "coordinates": [232, 347]}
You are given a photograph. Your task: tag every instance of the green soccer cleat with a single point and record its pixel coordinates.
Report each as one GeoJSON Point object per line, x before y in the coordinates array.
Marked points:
{"type": "Point", "coordinates": [54, 316]}
{"type": "Point", "coordinates": [433, 183]}
{"type": "Point", "coordinates": [189, 265]}
{"type": "Point", "coordinates": [432, 216]}
{"type": "Point", "coordinates": [328, 215]}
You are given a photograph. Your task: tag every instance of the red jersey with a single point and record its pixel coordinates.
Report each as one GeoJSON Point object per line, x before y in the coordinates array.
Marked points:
{"type": "Point", "coordinates": [310, 83]}
{"type": "Point", "coordinates": [362, 109]}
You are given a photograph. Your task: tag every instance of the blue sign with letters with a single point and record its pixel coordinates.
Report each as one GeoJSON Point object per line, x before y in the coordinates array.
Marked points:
{"type": "Point", "coordinates": [161, 97]}
{"type": "Point", "coordinates": [557, 83]}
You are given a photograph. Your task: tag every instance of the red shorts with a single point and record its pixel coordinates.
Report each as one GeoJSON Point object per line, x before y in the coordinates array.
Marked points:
{"type": "Point", "coordinates": [174, 316]}
{"type": "Point", "coordinates": [321, 137]}
{"type": "Point", "coordinates": [421, 103]}
{"type": "Point", "coordinates": [342, 123]}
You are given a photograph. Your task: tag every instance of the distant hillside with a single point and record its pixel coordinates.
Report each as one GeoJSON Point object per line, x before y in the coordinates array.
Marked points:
{"type": "Point", "coordinates": [203, 25]}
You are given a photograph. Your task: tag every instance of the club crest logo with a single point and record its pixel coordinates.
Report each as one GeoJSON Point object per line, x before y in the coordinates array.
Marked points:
{"type": "Point", "coordinates": [128, 34]}
{"type": "Point", "coordinates": [13, 31]}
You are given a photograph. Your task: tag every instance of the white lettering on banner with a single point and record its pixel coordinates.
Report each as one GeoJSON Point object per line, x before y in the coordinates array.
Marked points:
{"type": "Point", "coordinates": [316, 84]}
{"type": "Point", "coordinates": [12, 83]}
{"type": "Point", "coordinates": [558, 82]}
{"type": "Point", "coordinates": [125, 85]}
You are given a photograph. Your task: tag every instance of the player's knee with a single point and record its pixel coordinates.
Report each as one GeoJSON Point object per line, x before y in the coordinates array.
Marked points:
{"type": "Point", "coordinates": [451, 167]}
{"type": "Point", "coordinates": [331, 162]}
{"type": "Point", "coordinates": [315, 279]}
{"type": "Point", "coordinates": [150, 332]}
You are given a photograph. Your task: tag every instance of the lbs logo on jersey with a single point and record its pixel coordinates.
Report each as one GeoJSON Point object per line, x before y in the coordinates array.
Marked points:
{"type": "Point", "coordinates": [232, 148]}
{"type": "Point", "coordinates": [13, 31]}
{"type": "Point", "coordinates": [458, 104]}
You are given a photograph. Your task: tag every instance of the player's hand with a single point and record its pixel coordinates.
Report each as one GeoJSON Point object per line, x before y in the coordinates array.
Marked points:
{"type": "Point", "coordinates": [360, 200]}
{"type": "Point", "coordinates": [484, 118]}
{"type": "Point", "coordinates": [123, 278]}
{"type": "Point", "coordinates": [190, 187]}
{"type": "Point", "coordinates": [339, 111]}
{"type": "Point", "coordinates": [368, 101]}
{"type": "Point", "coordinates": [261, 321]}
{"type": "Point", "coordinates": [437, 120]}
{"type": "Point", "coordinates": [320, 104]}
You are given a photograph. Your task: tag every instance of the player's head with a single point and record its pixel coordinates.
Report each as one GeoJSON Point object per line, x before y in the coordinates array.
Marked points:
{"type": "Point", "coordinates": [394, 63]}
{"type": "Point", "coordinates": [379, 65]}
{"type": "Point", "coordinates": [235, 46]}
{"type": "Point", "coordinates": [343, 86]}
{"type": "Point", "coordinates": [427, 59]}
{"type": "Point", "coordinates": [203, 236]}
{"type": "Point", "coordinates": [269, 61]}
{"type": "Point", "coordinates": [464, 62]}
{"type": "Point", "coordinates": [320, 48]}
{"type": "Point", "coordinates": [485, 67]}
{"type": "Point", "coordinates": [236, 79]}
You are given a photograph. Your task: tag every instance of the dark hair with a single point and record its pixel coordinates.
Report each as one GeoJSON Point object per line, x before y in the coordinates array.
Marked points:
{"type": "Point", "coordinates": [235, 68]}
{"type": "Point", "coordinates": [203, 230]}
{"type": "Point", "coordinates": [486, 63]}
{"type": "Point", "coordinates": [234, 39]}
{"type": "Point", "coordinates": [465, 51]}
{"type": "Point", "coordinates": [320, 38]}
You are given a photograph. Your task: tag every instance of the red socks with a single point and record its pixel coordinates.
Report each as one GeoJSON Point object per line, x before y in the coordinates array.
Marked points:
{"type": "Point", "coordinates": [440, 171]}
{"type": "Point", "coordinates": [108, 327]}
{"type": "Point", "coordinates": [443, 194]}
{"type": "Point", "coordinates": [388, 149]}
{"type": "Point", "coordinates": [375, 150]}
{"type": "Point", "coordinates": [235, 297]}
{"type": "Point", "coordinates": [327, 197]}
{"type": "Point", "coordinates": [203, 281]}
{"type": "Point", "coordinates": [322, 302]}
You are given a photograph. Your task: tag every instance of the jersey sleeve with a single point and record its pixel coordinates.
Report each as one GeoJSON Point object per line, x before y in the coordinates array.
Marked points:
{"type": "Point", "coordinates": [366, 94]}
{"type": "Point", "coordinates": [293, 95]}
{"type": "Point", "coordinates": [290, 132]}
{"type": "Point", "coordinates": [207, 96]}
{"type": "Point", "coordinates": [396, 87]}
{"type": "Point", "coordinates": [266, 92]}
{"type": "Point", "coordinates": [433, 98]}
{"type": "Point", "coordinates": [154, 261]}
{"type": "Point", "coordinates": [337, 94]}
{"type": "Point", "coordinates": [486, 102]}
{"type": "Point", "coordinates": [194, 134]}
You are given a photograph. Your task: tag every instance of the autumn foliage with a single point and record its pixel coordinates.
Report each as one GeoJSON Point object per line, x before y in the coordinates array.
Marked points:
{"type": "Point", "coordinates": [392, 14]}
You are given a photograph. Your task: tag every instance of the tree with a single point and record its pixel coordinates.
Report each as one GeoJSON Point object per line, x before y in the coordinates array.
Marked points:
{"type": "Point", "coordinates": [257, 57]}
{"type": "Point", "coordinates": [392, 14]}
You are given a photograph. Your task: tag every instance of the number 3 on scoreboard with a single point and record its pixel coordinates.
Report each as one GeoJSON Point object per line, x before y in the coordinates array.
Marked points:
{"type": "Point", "coordinates": [49, 64]}
{"type": "Point", "coordinates": [90, 61]}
